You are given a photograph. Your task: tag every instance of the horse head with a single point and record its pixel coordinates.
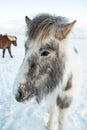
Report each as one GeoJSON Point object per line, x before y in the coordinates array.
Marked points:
{"type": "Point", "coordinates": [13, 39]}
{"type": "Point", "coordinates": [44, 63]}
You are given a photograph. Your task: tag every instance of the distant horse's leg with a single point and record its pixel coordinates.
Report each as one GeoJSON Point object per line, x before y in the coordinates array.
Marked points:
{"type": "Point", "coordinates": [3, 53]}
{"type": "Point", "coordinates": [9, 50]}
{"type": "Point", "coordinates": [51, 118]}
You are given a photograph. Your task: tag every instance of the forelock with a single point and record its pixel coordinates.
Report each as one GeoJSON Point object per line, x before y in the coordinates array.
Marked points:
{"type": "Point", "coordinates": [43, 24]}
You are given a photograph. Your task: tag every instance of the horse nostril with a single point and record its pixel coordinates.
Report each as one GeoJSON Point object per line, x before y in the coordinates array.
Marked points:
{"type": "Point", "coordinates": [19, 96]}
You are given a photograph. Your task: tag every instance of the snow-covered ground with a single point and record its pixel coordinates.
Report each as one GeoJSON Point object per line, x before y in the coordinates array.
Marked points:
{"type": "Point", "coordinates": [31, 116]}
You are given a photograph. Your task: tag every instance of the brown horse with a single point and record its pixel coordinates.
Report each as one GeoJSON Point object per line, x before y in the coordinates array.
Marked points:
{"type": "Point", "coordinates": [0, 35]}
{"type": "Point", "coordinates": [5, 43]}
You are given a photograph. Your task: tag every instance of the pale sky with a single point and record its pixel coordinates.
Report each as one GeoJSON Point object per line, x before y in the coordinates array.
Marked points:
{"type": "Point", "coordinates": [18, 9]}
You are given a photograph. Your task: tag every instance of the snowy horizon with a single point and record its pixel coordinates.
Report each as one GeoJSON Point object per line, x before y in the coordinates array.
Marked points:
{"type": "Point", "coordinates": [17, 10]}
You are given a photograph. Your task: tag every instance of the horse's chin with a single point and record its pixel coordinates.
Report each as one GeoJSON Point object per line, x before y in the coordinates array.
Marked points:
{"type": "Point", "coordinates": [25, 102]}
{"type": "Point", "coordinates": [15, 45]}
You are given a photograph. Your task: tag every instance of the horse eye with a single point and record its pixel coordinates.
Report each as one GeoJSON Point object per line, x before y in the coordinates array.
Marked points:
{"type": "Point", "coordinates": [44, 53]}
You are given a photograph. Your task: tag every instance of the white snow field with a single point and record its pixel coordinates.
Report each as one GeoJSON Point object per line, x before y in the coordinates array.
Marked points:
{"type": "Point", "coordinates": [33, 116]}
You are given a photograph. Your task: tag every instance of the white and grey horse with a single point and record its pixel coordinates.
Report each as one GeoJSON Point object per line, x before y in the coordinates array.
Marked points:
{"type": "Point", "coordinates": [51, 68]}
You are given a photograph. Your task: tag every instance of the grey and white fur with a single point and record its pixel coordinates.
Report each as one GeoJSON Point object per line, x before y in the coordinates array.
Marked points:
{"type": "Point", "coordinates": [51, 67]}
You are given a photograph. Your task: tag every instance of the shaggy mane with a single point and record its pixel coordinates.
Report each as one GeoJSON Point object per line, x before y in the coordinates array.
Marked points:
{"type": "Point", "coordinates": [43, 24]}
{"type": "Point", "coordinates": [11, 38]}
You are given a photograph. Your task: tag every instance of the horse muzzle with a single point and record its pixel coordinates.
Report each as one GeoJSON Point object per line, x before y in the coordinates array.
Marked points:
{"type": "Point", "coordinates": [25, 93]}
{"type": "Point", "coordinates": [16, 44]}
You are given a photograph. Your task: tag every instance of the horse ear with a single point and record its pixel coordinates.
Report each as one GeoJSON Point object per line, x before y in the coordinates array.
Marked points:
{"type": "Point", "coordinates": [27, 20]}
{"type": "Point", "coordinates": [65, 30]}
